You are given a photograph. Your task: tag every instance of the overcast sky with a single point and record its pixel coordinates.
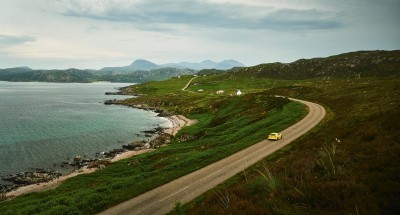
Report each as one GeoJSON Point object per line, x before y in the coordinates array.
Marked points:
{"type": "Point", "coordinates": [44, 34]}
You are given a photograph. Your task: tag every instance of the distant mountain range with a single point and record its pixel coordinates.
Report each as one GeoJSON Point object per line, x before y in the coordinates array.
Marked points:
{"type": "Point", "coordinates": [207, 64]}
{"type": "Point", "coordinates": [137, 72]}
{"type": "Point", "coordinates": [145, 65]}
{"type": "Point", "coordinates": [348, 65]}
{"type": "Point", "coordinates": [23, 74]}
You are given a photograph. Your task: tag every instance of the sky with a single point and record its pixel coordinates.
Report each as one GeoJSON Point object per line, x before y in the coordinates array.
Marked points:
{"type": "Point", "coordinates": [92, 34]}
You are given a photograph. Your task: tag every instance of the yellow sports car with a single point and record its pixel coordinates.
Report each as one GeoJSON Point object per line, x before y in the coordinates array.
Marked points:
{"type": "Point", "coordinates": [275, 136]}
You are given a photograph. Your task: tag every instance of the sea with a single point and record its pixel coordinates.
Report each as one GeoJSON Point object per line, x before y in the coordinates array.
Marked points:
{"type": "Point", "coordinates": [45, 124]}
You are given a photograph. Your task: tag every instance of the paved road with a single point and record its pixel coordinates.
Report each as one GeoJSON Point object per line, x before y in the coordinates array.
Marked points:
{"type": "Point", "coordinates": [162, 199]}
{"type": "Point", "coordinates": [187, 85]}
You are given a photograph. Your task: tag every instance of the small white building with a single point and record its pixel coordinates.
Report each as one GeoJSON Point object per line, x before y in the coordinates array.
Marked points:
{"type": "Point", "coordinates": [201, 90]}
{"type": "Point", "coordinates": [238, 93]}
{"type": "Point", "coordinates": [220, 92]}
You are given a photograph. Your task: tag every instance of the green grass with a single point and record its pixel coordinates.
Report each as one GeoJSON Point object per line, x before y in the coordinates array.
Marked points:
{"type": "Point", "coordinates": [226, 125]}
{"type": "Point", "coordinates": [349, 165]}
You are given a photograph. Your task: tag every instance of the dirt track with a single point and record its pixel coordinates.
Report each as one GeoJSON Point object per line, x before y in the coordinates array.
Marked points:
{"type": "Point", "coordinates": [162, 199]}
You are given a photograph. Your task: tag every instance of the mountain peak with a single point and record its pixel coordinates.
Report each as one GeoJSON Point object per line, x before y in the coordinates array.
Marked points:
{"type": "Point", "coordinates": [141, 64]}
{"type": "Point", "coordinates": [208, 64]}
{"type": "Point", "coordinates": [145, 65]}
{"type": "Point", "coordinates": [228, 64]}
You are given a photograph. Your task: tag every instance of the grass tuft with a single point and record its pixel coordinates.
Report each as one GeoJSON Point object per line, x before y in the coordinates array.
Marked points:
{"type": "Point", "coordinates": [223, 198]}
{"type": "Point", "coordinates": [329, 160]}
{"type": "Point", "coordinates": [270, 181]}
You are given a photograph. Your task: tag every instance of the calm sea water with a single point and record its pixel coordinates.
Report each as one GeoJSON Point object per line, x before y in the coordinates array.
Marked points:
{"type": "Point", "coordinates": [42, 124]}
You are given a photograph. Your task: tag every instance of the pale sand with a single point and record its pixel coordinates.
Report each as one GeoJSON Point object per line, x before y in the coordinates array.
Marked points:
{"type": "Point", "coordinates": [129, 154]}
{"type": "Point", "coordinates": [177, 123]}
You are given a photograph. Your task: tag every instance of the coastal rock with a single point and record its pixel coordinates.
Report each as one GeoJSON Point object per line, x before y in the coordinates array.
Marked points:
{"type": "Point", "coordinates": [162, 113]}
{"type": "Point", "coordinates": [116, 93]}
{"type": "Point", "coordinates": [157, 130]}
{"type": "Point", "coordinates": [113, 153]}
{"type": "Point", "coordinates": [99, 164]}
{"type": "Point", "coordinates": [77, 159]}
{"type": "Point", "coordinates": [5, 188]}
{"type": "Point", "coordinates": [134, 145]}
{"type": "Point", "coordinates": [25, 178]}
{"type": "Point", "coordinates": [160, 140]}
{"type": "Point", "coordinates": [110, 102]}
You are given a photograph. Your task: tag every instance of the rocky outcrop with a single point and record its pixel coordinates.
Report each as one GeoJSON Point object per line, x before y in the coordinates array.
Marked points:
{"type": "Point", "coordinates": [137, 145]}
{"type": "Point", "coordinates": [25, 178]}
{"type": "Point", "coordinates": [186, 137]}
{"type": "Point", "coordinates": [161, 140]}
{"type": "Point", "coordinates": [110, 102]}
{"type": "Point", "coordinates": [117, 93]}
{"type": "Point", "coordinates": [99, 164]}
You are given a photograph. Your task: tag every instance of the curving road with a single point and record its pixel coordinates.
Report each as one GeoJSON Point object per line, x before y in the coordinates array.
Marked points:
{"type": "Point", "coordinates": [187, 85]}
{"type": "Point", "coordinates": [162, 199]}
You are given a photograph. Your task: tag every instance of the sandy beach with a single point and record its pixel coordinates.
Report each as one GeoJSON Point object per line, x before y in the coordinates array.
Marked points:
{"type": "Point", "coordinates": [178, 122]}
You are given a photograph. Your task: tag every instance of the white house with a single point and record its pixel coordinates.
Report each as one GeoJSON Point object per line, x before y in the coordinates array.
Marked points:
{"type": "Point", "coordinates": [238, 93]}
{"type": "Point", "coordinates": [220, 92]}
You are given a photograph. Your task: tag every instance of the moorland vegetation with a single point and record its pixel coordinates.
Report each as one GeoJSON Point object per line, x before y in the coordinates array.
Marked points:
{"type": "Point", "coordinates": [347, 165]}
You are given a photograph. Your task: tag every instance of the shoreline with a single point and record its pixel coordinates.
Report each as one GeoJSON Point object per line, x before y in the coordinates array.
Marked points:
{"type": "Point", "coordinates": [178, 122]}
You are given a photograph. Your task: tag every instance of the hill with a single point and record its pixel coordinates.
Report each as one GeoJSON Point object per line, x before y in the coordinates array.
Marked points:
{"type": "Point", "coordinates": [145, 76]}
{"type": "Point", "coordinates": [26, 74]}
{"type": "Point", "coordinates": [137, 65]}
{"type": "Point", "coordinates": [76, 75]}
{"type": "Point", "coordinates": [16, 70]}
{"type": "Point", "coordinates": [348, 65]}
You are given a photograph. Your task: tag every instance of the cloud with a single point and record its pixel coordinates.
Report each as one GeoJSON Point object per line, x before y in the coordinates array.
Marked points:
{"type": "Point", "coordinates": [202, 14]}
{"type": "Point", "coordinates": [8, 40]}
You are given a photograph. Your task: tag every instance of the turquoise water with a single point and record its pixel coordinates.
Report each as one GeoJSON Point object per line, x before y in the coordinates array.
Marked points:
{"type": "Point", "coordinates": [44, 124]}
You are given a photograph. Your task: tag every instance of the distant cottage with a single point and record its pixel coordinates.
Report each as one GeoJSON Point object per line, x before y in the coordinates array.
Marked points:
{"type": "Point", "coordinates": [238, 93]}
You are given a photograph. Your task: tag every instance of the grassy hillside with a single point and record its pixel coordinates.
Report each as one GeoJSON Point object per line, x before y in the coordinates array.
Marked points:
{"type": "Point", "coordinates": [348, 65]}
{"type": "Point", "coordinates": [22, 74]}
{"type": "Point", "coordinates": [69, 75]}
{"type": "Point", "coordinates": [349, 165]}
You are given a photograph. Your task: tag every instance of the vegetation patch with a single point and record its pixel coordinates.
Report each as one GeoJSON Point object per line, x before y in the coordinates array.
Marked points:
{"type": "Point", "coordinates": [347, 166]}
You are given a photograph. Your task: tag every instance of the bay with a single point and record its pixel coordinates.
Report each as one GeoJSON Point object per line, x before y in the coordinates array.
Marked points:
{"type": "Point", "coordinates": [44, 124]}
